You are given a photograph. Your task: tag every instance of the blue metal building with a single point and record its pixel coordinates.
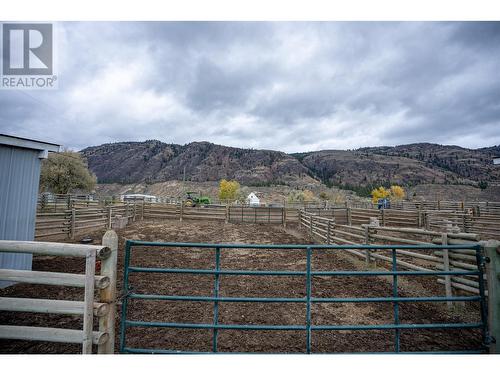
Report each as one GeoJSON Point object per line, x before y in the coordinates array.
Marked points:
{"type": "Point", "coordinates": [20, 160]}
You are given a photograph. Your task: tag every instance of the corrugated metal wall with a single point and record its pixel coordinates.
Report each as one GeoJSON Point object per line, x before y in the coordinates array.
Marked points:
{"type": "Point", "coordinates": [19, 179]}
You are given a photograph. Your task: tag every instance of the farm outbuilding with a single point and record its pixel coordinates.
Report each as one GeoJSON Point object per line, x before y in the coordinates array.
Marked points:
{"type": "Point", "coordinates": [253, 200]}
{"type": "Point", "coordinates": [20, 161]}
{"type": "Point", "coordinates": [138, 197]}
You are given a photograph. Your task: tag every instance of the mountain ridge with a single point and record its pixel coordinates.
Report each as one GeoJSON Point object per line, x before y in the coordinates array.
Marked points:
{"type": "Point", "coordinates": [154, 161]}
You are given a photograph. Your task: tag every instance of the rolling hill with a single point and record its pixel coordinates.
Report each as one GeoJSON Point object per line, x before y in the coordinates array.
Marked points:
{"type": "Point", "coordinates": [359, 170]}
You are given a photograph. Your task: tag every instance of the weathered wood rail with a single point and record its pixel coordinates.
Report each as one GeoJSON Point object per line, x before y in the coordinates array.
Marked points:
{"type": "Point", "coordinates": [62, 202]}
{"type": "Point", "coordinates": [103, 308]}
{"type": "Point", "coordinates": [228, 213]}
{"type": "Point", "coordinates": [76, 220]}
{"type": "Point", "coordinates": [483, 206]}
{"type": "Point", "coordinates": [328, 231]}
{"type": "Point", "coordinates": [70, 222]}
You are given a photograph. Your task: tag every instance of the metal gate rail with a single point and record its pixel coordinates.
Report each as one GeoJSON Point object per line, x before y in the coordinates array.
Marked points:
{"type": "Point", "coordinates": [308, 273]}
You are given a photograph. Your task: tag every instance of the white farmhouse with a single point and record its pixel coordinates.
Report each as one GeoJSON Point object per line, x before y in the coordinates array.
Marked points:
{"type": "Point", "coordinates": [253, 200]}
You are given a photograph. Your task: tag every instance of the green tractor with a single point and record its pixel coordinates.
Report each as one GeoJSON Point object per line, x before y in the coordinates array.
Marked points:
{"type": "Point", "coordinates": [193, 199]}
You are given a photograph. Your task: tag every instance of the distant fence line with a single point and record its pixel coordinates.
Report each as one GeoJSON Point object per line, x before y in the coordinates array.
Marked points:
{"type": "Point", "coordinates": [228, 213]}
{"type": "Point", "coordinates": [52, 202]}
{"type": "Point", "coordinates": [480, 207]}
{"type": "Point", "coordinates": [71, 221]}
{"type": "Point", "coordinates": [62, 202]}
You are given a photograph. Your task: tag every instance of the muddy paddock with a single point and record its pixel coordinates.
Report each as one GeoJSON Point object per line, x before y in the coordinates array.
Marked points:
{"type": "Point", "coordinates": [248, 286]}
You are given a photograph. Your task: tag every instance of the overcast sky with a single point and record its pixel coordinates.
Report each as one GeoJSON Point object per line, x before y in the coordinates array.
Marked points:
{"type": "Point", "coordinates": [284, 86]}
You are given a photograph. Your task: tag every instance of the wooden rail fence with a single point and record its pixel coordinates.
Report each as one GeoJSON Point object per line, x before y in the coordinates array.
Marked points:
{"type": "Point", "coordinates": [70, 222]}
{"type": "Point", "coordinates": [329, 232]}
{"type": "Point", "coordinates": [103, 308]}
{"type": "Point", "coordinates": [228, 213]}
{"type": "Point", "coordinates": [63, 202]}
{"type": "Point", "coordinates": [480, 207]}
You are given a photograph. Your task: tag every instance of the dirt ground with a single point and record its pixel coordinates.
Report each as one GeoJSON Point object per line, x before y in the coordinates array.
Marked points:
{"type": "Point", "coordinates": [248, 286]}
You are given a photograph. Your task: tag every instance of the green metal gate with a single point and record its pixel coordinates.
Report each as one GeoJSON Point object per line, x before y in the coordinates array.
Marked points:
{"type": "Point", "coordinates": [308, 274]}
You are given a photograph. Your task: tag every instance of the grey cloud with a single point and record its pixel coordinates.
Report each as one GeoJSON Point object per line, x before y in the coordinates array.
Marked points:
{"type": "Point", "coordinates": [215, 88]}
{"type": "Point", "coordinates": [288, 86]}
{"type": "Point", "coordinates": [477, 34]}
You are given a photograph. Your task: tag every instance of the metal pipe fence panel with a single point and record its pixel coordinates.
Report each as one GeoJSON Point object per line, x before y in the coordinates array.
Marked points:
{"type": "Point", "coordinates": [309, 273]}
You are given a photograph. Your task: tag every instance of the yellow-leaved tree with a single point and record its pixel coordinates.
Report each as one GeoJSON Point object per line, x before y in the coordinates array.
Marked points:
{"type": "Point", "coordinates": [397, 193]}
{"type": "Point", "coordinates": [308, 196]}
{"type": "Point", "coordinates": [228, 190]}
{"type": "Point", "coordinates": [380, 193]}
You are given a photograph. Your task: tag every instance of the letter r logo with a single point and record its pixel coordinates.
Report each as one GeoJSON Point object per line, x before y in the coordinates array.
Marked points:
{"type": "Point", "coordinates": [27, 49]}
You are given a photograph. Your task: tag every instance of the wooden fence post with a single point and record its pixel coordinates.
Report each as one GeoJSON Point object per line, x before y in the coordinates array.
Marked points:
{"type": "Point", "coordinates": [284, 214]}
{"type": "Point", "coordinates": [446, 267]}
{"type": "Point", "coordinates": [43, 202]}
{"type": "Point", "coordinates": [181, 209]}
{"type": "Point", "coordinates": [72, 223]}
{"type": "Point", "coordinates": [328, 232]}
{"type": "Point", "coordinates": [367, 242]}
{"type": "Point", "coordinates": [108, 295]}
{"type": "Point", "coordinates": [383, 217]}
{"type": "Point", "coordinates": [135, 210]}
{"type": "Point", "coordinates": [88, 312]}
{"type": "Point", "coordinates": [110, 215]}
{"type": "Point", "coordinates": [227, 213]}
{"type": "Point", "coordinates": [492, 253]}
{"type": "Point", "coordinates": [349, 219]}
{"type": "Point", "coordinates": [426, 220]}
{"type": "Point", "coordinates": [311, 225]}
{"type": "Point", "coordinates": [142, 210]}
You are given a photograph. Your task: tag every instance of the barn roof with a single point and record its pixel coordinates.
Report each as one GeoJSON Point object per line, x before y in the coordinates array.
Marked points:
{"type": "Point", "coordinates": [12, 140]}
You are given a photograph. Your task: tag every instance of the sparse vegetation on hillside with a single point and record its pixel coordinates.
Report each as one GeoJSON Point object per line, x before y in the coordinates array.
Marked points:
{"type": "Point", "coordinates": [359, 170]}
{"type": "Point", "coordinates": [465, 165]}
{"type": "Point", "coordinates": [483, 185]}
{"type": "Point", "coordinates": [154, 161]}
{"type": "Point", "coordinates": [300, 196]}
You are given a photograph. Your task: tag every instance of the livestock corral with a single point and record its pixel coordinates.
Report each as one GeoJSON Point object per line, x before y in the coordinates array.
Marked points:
{"type": "Point", "coordinates": [237, 279]}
